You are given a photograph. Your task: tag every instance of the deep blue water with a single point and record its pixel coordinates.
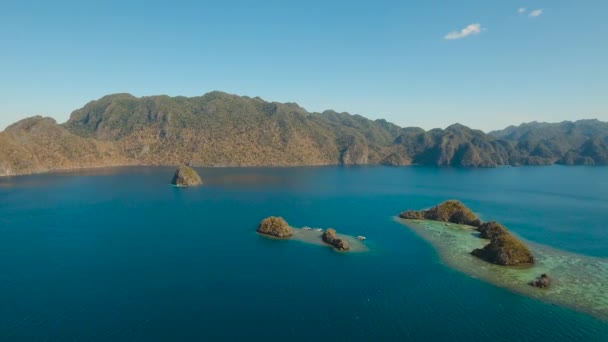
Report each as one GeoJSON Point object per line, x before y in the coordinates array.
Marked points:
{"type": "Point", "coordinates": [121, 255]}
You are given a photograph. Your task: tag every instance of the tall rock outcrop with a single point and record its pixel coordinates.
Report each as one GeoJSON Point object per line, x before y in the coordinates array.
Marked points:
{"type": "Point", "coordinates": [330, 237]}
{"type": "Point", "coordinates": [449, 211]}
{"type": "Point", "coordinates": [506, 250]}
{"type": "Point", "coordinates": [185, 176]}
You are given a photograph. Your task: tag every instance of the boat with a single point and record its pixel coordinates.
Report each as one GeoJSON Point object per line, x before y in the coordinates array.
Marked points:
{"type": "Point", "coordinates": [361, 238]}
{"type": "Point", "coordinates": [306, 228]}
{"type": "Point", "coordinates": [318, 229]}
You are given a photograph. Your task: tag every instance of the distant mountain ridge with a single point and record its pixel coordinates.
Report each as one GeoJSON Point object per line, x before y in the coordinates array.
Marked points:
{"type": "Point", "coordinates": [220, 129]}
{"type": "Point", "coordinates": [571, 143]}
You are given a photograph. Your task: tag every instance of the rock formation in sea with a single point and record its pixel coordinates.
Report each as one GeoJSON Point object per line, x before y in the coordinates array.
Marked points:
{"type": "Point", "coordinates": [487, 230]}
{"type": "Point", "coordinates": [505, 249]}
{"type": "Point", "coordinates": [543, 281]}
{"type": "Point", "coordinates": [275, 226]}
{"type": "Point", "coordinates": [449, 211]}
{"type": "Point", "coordinates": [330, 237]}
{"type": "Point", "coordinates": [186, 176]}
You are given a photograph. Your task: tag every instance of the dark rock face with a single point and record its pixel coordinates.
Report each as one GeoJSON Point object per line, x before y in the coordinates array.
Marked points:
{"type": "Point", "coordinates": [330, 237]}
{"type": "Point", "coordinates": [449, 211]}
{"type": "Point", "coordinates": [543, 281]}
{"type": "Point", "coordinates": [341, 244]}
{"type": "Point", "coordinates": [275, 226]}
{"type": "Point", "coordinates": [488, 230]}
{"type": "Point", "coordinates": [395, 159]}
{"type": "Point", "coordinates": [505, 249]}
{"type": "Point", "coordinates": [413, 215]}
{"type": "Point", "coordinates": [186, 176]}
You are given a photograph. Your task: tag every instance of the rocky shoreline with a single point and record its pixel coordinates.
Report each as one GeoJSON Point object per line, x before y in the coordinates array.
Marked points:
{"type": "Point", "coordinates": [330, 237]}
{"type": "Point", "coordinates": [277, 228]}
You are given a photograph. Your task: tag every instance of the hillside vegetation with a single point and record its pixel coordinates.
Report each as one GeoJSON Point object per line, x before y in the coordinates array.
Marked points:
{"type": "Point", "coordinates": [219, 129]}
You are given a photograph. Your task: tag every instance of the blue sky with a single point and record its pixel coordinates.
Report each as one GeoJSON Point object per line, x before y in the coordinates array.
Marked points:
{"type": "Point", "coordinates": [381, 59]}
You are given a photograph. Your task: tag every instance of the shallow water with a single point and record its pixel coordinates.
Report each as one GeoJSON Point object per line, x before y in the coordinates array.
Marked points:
{"type": "Point", "coordinates": [119, 254]}
{"type": "Point", "coordinates": [315, 238]}
{"type": "Point", "coordinates": [579, 282]}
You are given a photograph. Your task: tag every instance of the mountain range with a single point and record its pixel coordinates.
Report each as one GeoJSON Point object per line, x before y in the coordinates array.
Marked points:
{"type": "Point", "coordinates": [220, 129]}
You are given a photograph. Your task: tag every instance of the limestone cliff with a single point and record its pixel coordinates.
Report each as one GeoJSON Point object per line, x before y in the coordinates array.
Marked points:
{"type": "Point", "coordinates": [219, 129]}
{"type": "Point", "coordinates": [185, 176]}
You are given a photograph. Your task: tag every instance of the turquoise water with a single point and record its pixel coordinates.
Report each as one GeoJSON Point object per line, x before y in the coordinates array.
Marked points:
{"type": "Point", "coordinates": [120, 255]}
{"type": "Point", "coordinates": [579, 281]}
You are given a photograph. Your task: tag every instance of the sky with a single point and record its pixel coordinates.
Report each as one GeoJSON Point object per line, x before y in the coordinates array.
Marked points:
{"type": "Point", "coordinates": [484, 64]}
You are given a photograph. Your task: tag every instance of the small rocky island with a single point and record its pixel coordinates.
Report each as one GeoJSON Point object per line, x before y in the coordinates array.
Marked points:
{"type": "Point", "coordinates": [543, 281]}
{"type": "Point", "coordinates": [504, 248]}
{"type": "Point", "coordinates": [278, 228]}
{"type": "Point", "coordinates": [488, 230]}
{"type": "Point", "coordinates": [449, 211]}
{"type": "Point", "coordinates": [186, 176]}
{"type": "Point", "coordinates": [558, 277]}
{"type": "Point", "coordinates": [330, 237]}
{"type": "Point", "coordinates": [275, 226]}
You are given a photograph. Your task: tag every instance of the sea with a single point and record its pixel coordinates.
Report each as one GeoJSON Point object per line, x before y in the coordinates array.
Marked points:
{"type": "Point", "coordinates": [119, 254]}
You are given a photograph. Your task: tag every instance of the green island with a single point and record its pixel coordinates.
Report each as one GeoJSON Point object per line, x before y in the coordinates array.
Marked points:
{"type": "Point", "coordinates": [278, 228]}
{"type": "Point", "coordinates": [551, 275]}
{"type": "Point", "coordinates": [504, 248]}
{"type": "Point", "coordinates": [185, 176]}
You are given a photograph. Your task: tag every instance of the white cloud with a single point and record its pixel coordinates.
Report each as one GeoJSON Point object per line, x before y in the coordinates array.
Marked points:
{"type": "Point", "coordinates": [536, 13]}
{"type": "Point", "coordinates": [472, 29]}
{"type": "Point", "coordinates": [521, 10]}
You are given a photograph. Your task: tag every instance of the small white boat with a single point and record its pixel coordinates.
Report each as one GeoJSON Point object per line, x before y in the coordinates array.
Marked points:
{"type": "Point", "coordinates": [319, 230]}
{"type": "Point", "coordinates": [361, 238]}
{"type": "Point", "coordinates": [306, 228]}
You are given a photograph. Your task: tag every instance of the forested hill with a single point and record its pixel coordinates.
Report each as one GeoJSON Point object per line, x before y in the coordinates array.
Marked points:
{"type": "Point", "coordinates": [579, 142]}
{"type": "Point", "coordinates": [219, 129]}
